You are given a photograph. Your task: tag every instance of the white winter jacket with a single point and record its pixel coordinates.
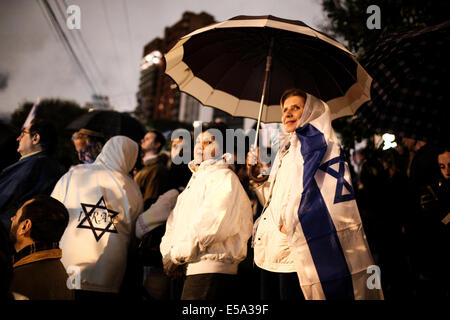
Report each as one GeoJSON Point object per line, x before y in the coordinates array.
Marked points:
{"type": "Point", "coordinates": [211, 223]}
{"type": "Point", "coordinates": [103, 203]}
{"type": "Point", "coordinates": [271, 249]}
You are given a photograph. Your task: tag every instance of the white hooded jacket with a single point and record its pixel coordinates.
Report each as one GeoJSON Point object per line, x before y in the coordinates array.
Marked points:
{"type": "Point", "coordinates": [211, 223]}
{"type": "Point", "coordinates": [103, 203]}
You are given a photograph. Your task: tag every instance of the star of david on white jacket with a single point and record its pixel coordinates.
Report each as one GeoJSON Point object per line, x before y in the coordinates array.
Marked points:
{"type": "Point", "coordinates": [103, 203]}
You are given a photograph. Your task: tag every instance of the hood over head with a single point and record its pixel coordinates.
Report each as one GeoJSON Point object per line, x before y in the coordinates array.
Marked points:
{"type": "Point", "coordinates": [119, 153]}
{"type": "Point", "coordinates": [314, 108]}
{"type": "Point", "coordinates": [317, 113]}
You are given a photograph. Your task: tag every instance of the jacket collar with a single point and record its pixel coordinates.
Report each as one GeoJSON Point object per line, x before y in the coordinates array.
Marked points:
{"type": "Point", "coordinates": [153, 160]}
{"type": "Point", "coordinates": [226, 161]}
{"type": "Point", "coordinates": [30, 155]}
{"type": "Point", "coordinates": [149, 158]}
{"type": "Point", "coordinates": [37, 252]}
{"type": "Point", "coordinates": [21, 162]}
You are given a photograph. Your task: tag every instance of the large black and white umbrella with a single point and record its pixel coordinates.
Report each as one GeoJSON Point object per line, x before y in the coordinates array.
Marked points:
{"type": "Point", "coordinates": [410, 90]}
{"type": "Point", "coordinates": [243, 65]}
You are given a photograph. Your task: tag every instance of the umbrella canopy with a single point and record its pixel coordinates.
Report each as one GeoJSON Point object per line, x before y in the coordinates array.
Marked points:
{"type": "Point", "coordinates": [224, 66]}
{"type": "Point", "coordinates": [410, 90]}
{"type": "Point", "coordinates": [109, 123]}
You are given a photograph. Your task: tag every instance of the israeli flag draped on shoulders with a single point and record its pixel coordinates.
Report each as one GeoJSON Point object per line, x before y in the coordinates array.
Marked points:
{"type": "Point", "coordinates": [324, 228]}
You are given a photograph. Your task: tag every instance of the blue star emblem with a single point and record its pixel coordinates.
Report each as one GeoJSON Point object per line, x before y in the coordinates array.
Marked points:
{"type": "Point", "coordinates": [339, 175]}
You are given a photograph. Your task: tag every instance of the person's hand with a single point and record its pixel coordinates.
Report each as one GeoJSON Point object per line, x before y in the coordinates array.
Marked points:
{"type": "Point", "coordinates": [253, 156]}
{"type": "Point", "coordinates": [173, 270]}
{"type": "Point", "coordinates": [253, 162]}
{"type": "Point", "coordinates": [254, 166]}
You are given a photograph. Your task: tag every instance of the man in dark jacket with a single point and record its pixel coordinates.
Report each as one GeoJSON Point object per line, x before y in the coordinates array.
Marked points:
{"type": "Point", "coordinates": [153, 178]}
{"type": "Point", "coordinates": [35, 172]}
{"type": "Point", "coordinates": [36, 230]}
{"type": "Point", "coordinates": [432, 229]}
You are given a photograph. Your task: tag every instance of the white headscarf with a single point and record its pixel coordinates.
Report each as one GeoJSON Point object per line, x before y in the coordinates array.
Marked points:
{"type": "Point", "coordinates": [314, 107]}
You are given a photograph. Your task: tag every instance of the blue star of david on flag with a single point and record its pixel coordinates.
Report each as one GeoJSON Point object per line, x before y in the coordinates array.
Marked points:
{"type": "Point", "coordinates": [339, 175]}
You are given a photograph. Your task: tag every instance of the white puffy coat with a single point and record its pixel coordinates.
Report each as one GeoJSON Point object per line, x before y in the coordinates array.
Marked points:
{"type": "Point", "coordinates": [211, 223]}
{"type": "Point", "coordinates": [271, 248]}
{"type": "Point", "coordinates": [96, 240]}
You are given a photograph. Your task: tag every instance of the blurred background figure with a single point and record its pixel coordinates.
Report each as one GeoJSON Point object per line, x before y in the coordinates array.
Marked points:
{"type": "Point", "coordinates": [179, 174]}
{"type": "Point", "coordinates": [431, 227]}
{"type": "Point", "coordinates": [88, 144]}
{"type": "Point", "coordinates": [393, 221]}
{"type": "Point", "coordinates": [152, 179]}
{"type": "Point", "coordinates": [8, 145]}
{"type": "Point", "coordinates": [151, 226]}
{"type": "Point", "coordinates": [444, 162]}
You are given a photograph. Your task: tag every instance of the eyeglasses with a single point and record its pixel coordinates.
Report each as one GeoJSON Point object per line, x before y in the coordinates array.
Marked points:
{"type": "Point", "coordinates": [24, 132]}
{"type": "Point", "coordinates": [81, 152]}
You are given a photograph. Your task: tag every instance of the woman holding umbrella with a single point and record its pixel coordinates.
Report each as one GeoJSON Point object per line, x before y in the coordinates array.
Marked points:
{"type": "Point", "coordinates": [310, 235]}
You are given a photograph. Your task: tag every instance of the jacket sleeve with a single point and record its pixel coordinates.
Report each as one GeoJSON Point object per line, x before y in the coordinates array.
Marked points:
{"type": "Point", "coordinates": [217, 219]}
{"type": "Point", "coordinates": [157, 214]}
{"type": "Point", "coordinates": [166, 240]}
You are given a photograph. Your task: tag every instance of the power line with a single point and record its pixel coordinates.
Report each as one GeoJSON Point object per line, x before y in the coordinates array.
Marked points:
{"type": "Point", "coordinates": [67, 45]}
{"type": "Point", "coordinates": [127, 21]}
{"type": "Point", "coordinates": [58, 36]}
{"type": "Point", "coordinates": [130, 43]}
{"type": "Point", "coordinates": [96, 71]}
{"type": "Point", "coordinates": [114, 43]}
{"type": "Point", "coordinates": [127, 93]}
{"type": "Point", "coordinates": [47, 19]}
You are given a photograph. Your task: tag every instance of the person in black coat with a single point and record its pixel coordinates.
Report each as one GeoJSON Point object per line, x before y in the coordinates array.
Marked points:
{"type": "Point", "coordinates": [432, 229]}
{"type": "Point", "coordinates": [35, 173]}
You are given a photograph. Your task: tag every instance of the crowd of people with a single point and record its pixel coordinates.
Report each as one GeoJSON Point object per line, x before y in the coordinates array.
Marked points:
{"type": "Point", "coordinates": [130, 223]}
{"type": "Point", "coordinates": [403, 197]}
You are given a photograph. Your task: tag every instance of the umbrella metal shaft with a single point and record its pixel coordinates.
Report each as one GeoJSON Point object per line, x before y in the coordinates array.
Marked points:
{"type": "Point", "coordinates": [266, 80]}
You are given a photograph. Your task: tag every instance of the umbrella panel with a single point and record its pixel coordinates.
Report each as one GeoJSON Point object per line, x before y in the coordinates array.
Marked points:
{"type": "Point", "coordinates": [225, 58]}
{"type": "Point", "coordinates": [110, 123]}
{"type": "Point", "coordinates": [102, 121]}
{"type": "Point", "coordinates": [410, 86]}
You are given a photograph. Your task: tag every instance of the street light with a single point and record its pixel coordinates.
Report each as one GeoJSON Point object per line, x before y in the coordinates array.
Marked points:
{"type": "Point", "coordinates": [150, 59]}
{"type": "Point", "coordinates": [389, 141]}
